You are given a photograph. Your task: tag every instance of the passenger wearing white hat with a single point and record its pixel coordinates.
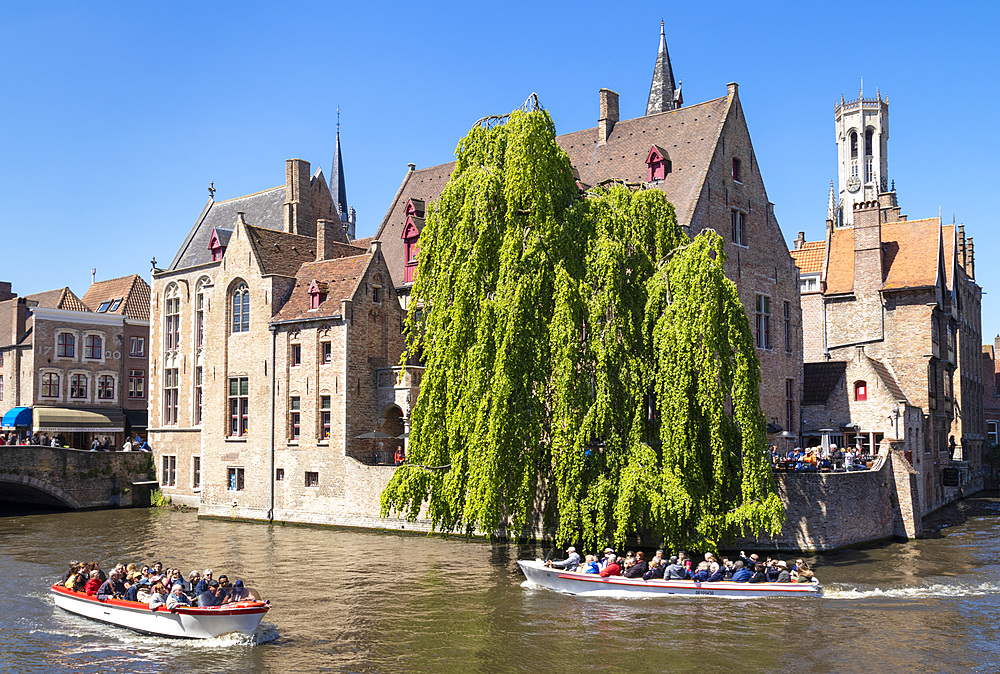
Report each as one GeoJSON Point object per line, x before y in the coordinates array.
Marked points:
{"type": "Point", "coordinates": [571, 562]}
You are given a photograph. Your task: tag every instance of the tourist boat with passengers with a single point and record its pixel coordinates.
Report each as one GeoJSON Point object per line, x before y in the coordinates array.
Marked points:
{"type": "Point", "coordinates": [183, 621]}
{"type": "Point", "coordinates": [592, 585]}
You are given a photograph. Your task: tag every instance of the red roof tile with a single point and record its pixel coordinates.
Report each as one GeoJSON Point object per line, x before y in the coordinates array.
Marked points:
{"type": "Point", "coordinates": [132, 290]}
{"type": "Point", "coordinates": [809, 258]}
{"type": "Point", "coordinates": [341, 277]}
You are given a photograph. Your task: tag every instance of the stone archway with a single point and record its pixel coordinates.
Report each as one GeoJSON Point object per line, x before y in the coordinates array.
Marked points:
{"type": "Point", "coordinates": [24, 489]}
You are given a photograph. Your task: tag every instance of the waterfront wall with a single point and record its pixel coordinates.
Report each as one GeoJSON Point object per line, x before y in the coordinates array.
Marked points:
{"type": "Point", "coordinates": [826, 511]}
{"type": "Point", "coordinates": [71, 478]}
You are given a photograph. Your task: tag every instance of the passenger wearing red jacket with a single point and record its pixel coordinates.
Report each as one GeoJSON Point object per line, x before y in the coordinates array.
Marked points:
{"type": "Point", "coordinates": [93, 585]}
{"type": "Point", "coordinates": [612, 569]}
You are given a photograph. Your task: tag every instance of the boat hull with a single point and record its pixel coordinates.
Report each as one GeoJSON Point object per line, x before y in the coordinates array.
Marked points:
{"type": "Point", "coordinates": [184, 622]}
{"type": "Point", "coordinates": [592, 585]}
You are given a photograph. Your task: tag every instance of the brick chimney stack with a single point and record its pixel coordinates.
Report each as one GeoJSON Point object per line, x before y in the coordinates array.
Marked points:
{"type": "Point", "coordinates": [609, 116]}
{"type": "Point", "coordinates": [324, 236]}
{"type": "Point", "coordinates": [5, 291]}
{"type": "Point", "coordinates": [800, 241]}
{"type": "Point", "coordinates": [298, 205]}
{"type": "Point", "coordinates": [19, 319]}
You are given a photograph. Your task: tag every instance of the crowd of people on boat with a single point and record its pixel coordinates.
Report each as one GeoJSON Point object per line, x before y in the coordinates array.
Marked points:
{"type": "Point", "coordinates": [746, 569]}
{"type": "Point", "coordinates": [153, 585]}
{"type": "Point", "coordinates": [814, 459]}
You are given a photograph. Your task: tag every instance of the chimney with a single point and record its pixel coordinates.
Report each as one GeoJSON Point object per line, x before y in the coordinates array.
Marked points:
{"type": "Point", "coordinates": [733, 89]}
{"type": "Point", "coordinates": [971, 269]}
{"type": "Point", "coordinates": [298, 206]}
{"type": "Point", "coordinates": [324, 236]}
{"type": "Point", "coordinates": [609, 115]}
{"type": "Point", "coordinates": [5, 291]}
{"type": "Point", "coordinates": [800, 241]}
{"type": "Point", "coordinates": [19, 309]}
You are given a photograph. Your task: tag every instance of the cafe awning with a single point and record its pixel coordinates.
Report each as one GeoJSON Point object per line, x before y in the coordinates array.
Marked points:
{"type": "Point", "coordinates": [19, 417]}
{"type": "Point", "coordinates": [78, 420]}
{"type": "Point", "coordinates": [137, 418]}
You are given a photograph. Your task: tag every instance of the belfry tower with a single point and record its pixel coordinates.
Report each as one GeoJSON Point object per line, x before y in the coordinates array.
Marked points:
{"type": "Point", "coordinates": [862, 158]}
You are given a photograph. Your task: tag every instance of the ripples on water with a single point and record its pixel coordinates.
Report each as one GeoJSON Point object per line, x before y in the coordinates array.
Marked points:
{"type": "Point", "coordinates": [371, 602]}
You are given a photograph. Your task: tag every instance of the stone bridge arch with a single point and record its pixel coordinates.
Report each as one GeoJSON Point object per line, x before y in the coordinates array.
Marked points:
{"type": "Point", "coordinates": [25, 489]}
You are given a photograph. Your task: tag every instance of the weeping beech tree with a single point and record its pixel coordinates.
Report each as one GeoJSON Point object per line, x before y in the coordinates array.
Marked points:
{"type": "Point", "coordinates": [586, 363]}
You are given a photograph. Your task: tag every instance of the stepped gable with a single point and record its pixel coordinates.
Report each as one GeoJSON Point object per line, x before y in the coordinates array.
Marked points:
{"type": "Point", "coordinates": [133, 291]}
{"type": "Point", "coordinates": [820, 379]}
{"type": "Point", "coordinates": [60, 298]}
{"type": "Point", "coordinates": [689, 137]}
{"type": "Point", "coordinates": [809, 258]}
{"type": "Point", "coordinates": [910, 254]}
{"type": "Point", "coordinates": [280, 253]}
{"type": "Point", "coordinates": [340, 276]}
{"type": "Point", "coordinates": [262, 209]}
{"type": "Point", "coordinates": [423, 184]}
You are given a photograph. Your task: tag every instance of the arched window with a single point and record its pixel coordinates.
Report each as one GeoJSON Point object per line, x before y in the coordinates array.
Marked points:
{"type": "Point", "coordinates": [106, 387]}
{"type": "Point", "coordinates": [172, 318]}
{"type": "Point", "coordinates": [50, 385]}
{"type": "Point", "coordinates": [241, 308]}
{"type": "Point", "coordinates": [869, 134]}
{"type": "Point", "coordinates": [199, 313]}
{"type": "Point", "coordinates": [860, 390]}
{"type": "Point", "coordinates": [78, 386]}
{"type": "Point", "coordinates": [66, 345]}
{"type": "Point", "coordinates": [854, 144]}
{"type": "Point", "coordinates": [93, 347]}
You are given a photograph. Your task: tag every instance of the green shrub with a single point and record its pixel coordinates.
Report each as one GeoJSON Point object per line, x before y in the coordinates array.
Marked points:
{"type": "Point", "coordinates": [158, 500]}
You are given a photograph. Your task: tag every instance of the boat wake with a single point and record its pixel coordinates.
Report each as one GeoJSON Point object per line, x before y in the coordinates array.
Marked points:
{"type": "Point", "coordinates": [936, 590]}
{"type": "Point", "coordinates": [265, 632]}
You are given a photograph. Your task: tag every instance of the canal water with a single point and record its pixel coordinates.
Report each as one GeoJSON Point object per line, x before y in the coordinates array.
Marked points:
{"type": "Point", "coordinates": [347, 601]}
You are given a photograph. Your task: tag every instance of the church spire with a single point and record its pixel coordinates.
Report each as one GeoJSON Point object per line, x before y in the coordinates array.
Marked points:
{"type": "Point", "coordinates": [831, 209]}
{"type": "Point", "coordinates": [338, 188]}
{"type": "Point", "coordinates": [664, 94]}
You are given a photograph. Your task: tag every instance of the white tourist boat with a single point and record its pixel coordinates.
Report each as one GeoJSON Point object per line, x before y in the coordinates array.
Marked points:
{"type": "Point", "coordinates": [592, 585]}
{"type": "Point", "coordinates": [189, 622]}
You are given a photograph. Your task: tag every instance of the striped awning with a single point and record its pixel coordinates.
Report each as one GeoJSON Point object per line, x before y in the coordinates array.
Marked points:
{"type": "Point", "coordinates": [78, 420]}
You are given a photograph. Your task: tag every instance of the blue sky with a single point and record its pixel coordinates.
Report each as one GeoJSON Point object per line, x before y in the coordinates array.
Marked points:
{"type": "Point", "coordinates": [116, 117]}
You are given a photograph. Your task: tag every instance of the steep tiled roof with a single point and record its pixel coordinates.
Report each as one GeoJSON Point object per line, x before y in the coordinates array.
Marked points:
{"type": "Point", "coordinates": [60, 298]}
{"type": "Point", "coordinates": [840, 268]}
{"type": "Point", "coordinates": [133, 291]}
{"type": "Point", "coordinates": [910, 253]}
{"type": "Point", "coordinates": [341, 277]}
{"type": "Point", "coordinates": [888, 380]}
{"type": "Point", "coordinates": [809, 258]}
{"type": "Point", "coordinates": [281, 253]}
{"type": "Point", "coordinates": [819, 380]}
{"type": "Point", "coordinates": [688, 137]}
{"type": "Point", "coordinates": [262, 209]}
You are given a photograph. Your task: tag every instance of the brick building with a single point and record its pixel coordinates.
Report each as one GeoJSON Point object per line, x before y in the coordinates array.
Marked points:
{"type": "Point", "coordinates": [75, 368]}
{"type": "Point", "coordinates": [991, 408]}
{"type": "Point", "coordinates": [275, 340]}
{"type": "Point", "coordinates": [702, 157]}
{"type": "Point", "coordinates": [891, 315]}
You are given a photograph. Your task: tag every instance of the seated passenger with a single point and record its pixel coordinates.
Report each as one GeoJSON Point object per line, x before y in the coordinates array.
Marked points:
{"type": "Point", "coordinates": [717, 575]}
{"type": "Point", "coordinates": [675, 570]}
{"type": "Point", "coordinates": [590, 565]}
{"type": "Point", "coordinates": [144, 593]}
{"type": "Point", "coordinates": [639, 568]}
{"type": "Point", "coordinates": [741, 574]}
{"type": "Point", "coordinates": [805, 575]}
{"type": "Point", "coordinates": [132, 587]}
{"type": "Point", "coordinates": [177, 597]}
{"type": "Point", "coordinates": [70, 571]}
{"type": "Point", "coordinates": [109, 589]}
{"type": "Point", "coordinates": [240, 592]}
{"type": "Point", "coordinates": [159, 596]}
{"type": "Point", "coordinates": [783, 575]}
{"type": "Point", "coordinates": [702, 573]}
{"type": "Point", "coordinates": [772, 570]}
{"type": "Point", "coordinates": [758, 576]}
{"type": "Point", "coordinates": [77, 580]}
{"type": "Point", "coordinates": [611, 568]}
{"type": "Point", "coordinates": [571, 562]}
{"type": "Point", "coordinates": [94, 584]}
{"type": "Point", "coordinates": [193, 581]}
{"type": "Point", "coordinates": [211, 596]}
{"type": "Point", "coordinates": [202, 585]}
{"type": "Point", "coordinates": [656, 569]}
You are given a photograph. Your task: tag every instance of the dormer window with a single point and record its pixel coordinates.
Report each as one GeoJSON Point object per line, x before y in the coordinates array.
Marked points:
{"type": "Point", "coordinates": [317, 293]}
{"type": "Point", "coordinates": [411, 238]}
{"type": "Point", "coordinates": [657, 163]}
{"type": "Point", "coordinates": [215, 246]}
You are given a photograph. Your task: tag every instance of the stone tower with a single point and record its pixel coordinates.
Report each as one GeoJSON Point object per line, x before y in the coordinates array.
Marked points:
{"type": "Point", "coordinates": [862, 159]}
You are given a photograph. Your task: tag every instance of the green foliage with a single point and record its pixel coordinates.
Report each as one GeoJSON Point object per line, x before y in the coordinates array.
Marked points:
{"type": "Point", "coordinates": [158, 500]}
{"type": "Point", "coordinates": [585, 361]}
